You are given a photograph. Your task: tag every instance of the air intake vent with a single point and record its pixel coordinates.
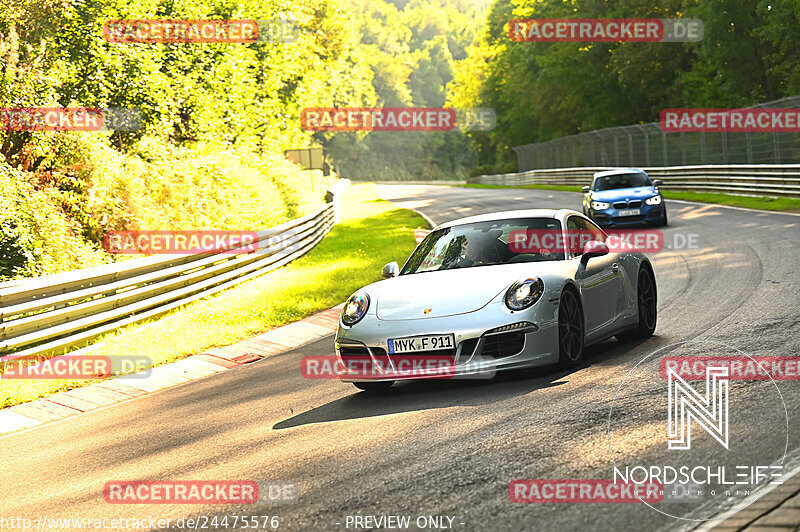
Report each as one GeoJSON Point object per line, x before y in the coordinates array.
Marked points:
{"type": "Point", "coordinates": [503, 345]}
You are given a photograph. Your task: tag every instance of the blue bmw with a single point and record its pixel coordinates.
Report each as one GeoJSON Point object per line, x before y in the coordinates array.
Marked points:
{"type": "Point", "coordinates": [624, 197]}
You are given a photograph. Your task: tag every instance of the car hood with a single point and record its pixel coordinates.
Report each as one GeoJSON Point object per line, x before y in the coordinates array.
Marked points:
{"type": "Point", "coordinates": [448, 292]}
{"type": "Point", "coordinates": [624, 193]}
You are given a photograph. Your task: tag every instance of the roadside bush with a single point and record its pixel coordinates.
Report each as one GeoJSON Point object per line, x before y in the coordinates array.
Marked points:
{"type": "Point", "coordinates": [37, 236]}
{"type": "Point", "coordinates": [54, 219]}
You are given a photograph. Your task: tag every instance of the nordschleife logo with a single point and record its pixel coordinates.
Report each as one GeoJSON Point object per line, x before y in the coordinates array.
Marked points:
{"type": "Point", "coordinates": [708, 410]}
{"type": "Point", "coordinates": [703, 422]}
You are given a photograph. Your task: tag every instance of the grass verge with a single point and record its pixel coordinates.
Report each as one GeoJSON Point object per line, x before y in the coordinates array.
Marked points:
{"type": "Point", "coordinates": [563, 188]}
{"type": "Point", "coordinates": [748, 202]}
{"type": "Point", "coordinates": [371, 233]}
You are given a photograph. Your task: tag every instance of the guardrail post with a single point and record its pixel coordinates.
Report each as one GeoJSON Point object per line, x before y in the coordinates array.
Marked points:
{"type": "Point", "coordinates": [630, 149]}
{"type": "Point", "coordinates": [703, 147]}
{"type": "Point", "coordinates": [724, 147]}
{"type": "Point", "coordinates": [646, 138]}
{"type": "Point", "coordinates": [683, 148]}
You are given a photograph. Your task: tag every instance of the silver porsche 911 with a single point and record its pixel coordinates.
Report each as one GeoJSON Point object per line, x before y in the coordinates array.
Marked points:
{"type": "Point", "coordinates": [496, 292]}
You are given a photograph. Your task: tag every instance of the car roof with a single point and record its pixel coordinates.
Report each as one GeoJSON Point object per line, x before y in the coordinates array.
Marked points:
{"type": "Point", "coordinates": [618, 171]}
{"type": "Point", "coordinates": [558, 214]}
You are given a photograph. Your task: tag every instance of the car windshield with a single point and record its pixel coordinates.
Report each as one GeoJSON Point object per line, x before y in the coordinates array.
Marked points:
{"type": "Point", "coordinates": [612, 182]}
{"type": "Point", "coordinates": [479, 244]}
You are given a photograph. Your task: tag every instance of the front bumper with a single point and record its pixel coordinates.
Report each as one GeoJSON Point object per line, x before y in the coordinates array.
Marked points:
{"type": "Point", "coordinates": [477, 354]}
{"type": "Point", "coordinates": [648, 215]}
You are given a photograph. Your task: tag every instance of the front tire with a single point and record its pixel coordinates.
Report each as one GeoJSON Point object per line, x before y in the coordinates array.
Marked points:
{"type": "Point", "coordinates": [664, 218]}
{"type": "Point", "coordinates": [647, 306]}
{"type": "Point", "coordinates": [570, 330]}
{"type": "Point", "coordinates": [380, 386]}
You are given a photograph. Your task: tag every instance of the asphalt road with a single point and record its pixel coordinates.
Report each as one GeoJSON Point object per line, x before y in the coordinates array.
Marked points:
{"type": "Point", "coordinates": [447, 448]}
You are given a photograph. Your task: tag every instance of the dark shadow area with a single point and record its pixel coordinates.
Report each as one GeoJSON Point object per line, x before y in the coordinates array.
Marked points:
{"type": "Point", "coordinates": [420, 395]}
{"type": "Point", "coordinates": [417, 395]}
{"type": "Point", "coordinates": [215, 413]}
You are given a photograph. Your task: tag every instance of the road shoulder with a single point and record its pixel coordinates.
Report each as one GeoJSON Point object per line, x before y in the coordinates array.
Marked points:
{"type": "Point", "coordinates": [212, 361]}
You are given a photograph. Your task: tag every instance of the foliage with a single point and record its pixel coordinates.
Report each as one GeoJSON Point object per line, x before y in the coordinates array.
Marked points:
{"type": "Point", "coordinates": [411, 49]}
{"type": "Point", "coordinates": [542, 90]}
{"type": "Point", "coordinates": [215, 118]}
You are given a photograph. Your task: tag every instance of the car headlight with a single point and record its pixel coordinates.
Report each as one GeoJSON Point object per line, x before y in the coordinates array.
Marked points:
{"type": "Point", "coordinates": [655, 200]}
{"type": "Point", "coordinates": [524, 293]}
{"type": "Point", "coordinates": [355, 308]}
{"type": "Point", "coordinates": [600, 205]}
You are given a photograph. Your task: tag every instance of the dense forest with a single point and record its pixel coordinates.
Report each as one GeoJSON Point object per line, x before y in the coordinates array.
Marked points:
{"type": "Point", "coordinates": [217, 117]}
{"type": "Point", "coordinates": [540, 90]}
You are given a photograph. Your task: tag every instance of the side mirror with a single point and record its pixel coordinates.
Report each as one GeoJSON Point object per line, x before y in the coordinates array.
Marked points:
{"type": "Point", "coordinates": [593, 249]}
{"type": "Point", "coordinates": [657, 182]}
{"type": "Point", "coordinates": [585, 189]}
{"type": "Point", "coordinates": [393, 270]}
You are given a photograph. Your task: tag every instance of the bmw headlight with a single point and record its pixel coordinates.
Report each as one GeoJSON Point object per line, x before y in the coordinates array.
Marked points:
{"type": "Point", "coordinates": [655, 200]}
{"type": "Point", "coordinates": [524, 293]}
{"type": "Point", "coordinates": [600, 205]}
{"type": "Point", "coordinates": [355, 308]}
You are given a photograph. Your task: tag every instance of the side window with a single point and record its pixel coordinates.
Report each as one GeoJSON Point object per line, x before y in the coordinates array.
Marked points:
{"type": "Point", "coordinates": [597, 233]}
{"type": "Point", "coordinates": [586, 230]}
{"type": "Point", "coordinates": [573, 226]}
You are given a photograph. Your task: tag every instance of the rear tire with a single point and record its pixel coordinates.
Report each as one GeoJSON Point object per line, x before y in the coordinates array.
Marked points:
{"type": "Point", "coordinates": [647, 306]}
{"type": "Point", "coordinates": [380, 386]}
{"type": "Point", "coordinates": [570, 330]}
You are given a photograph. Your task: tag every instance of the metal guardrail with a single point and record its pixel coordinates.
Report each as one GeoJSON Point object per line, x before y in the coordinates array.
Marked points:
{"type": "Point", "coordinates": [754, 179]}
{"type": "Point", "coordinates": [53, 313]}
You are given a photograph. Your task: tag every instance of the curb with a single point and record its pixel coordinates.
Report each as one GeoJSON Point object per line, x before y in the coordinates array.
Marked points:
{"type": "Point", "coordinates": [79, 400]}
{"type": "Point", "coordinates": [778, 510]}
{"type": "Point", "coordinates": [433, 225]}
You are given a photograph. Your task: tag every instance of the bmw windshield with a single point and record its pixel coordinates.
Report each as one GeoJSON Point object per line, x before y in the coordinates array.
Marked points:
{"type": "Point", "coordinates": [613, 182]}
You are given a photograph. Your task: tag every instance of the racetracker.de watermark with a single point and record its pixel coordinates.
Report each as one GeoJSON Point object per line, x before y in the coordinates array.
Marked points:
{"type": "Point", "coordinates": [199, 492]}
{"type": "Point", "coordinates": [396, 119]}
{"type": "Point", "coordinates": [548, 241]}
{"type": "Point", "coordinates": [740, 368]}
{"type": "Point", "coordinates": [180, 242]}
{"type": "Point", "coordinates": [396, 367]}
{"type": "Point", "coordinates": [582, 491]}
{"type": "Point", "coordinates": [69, 119]}
{"type": "Point", "coordinates": [730, 120]}
{"type": "Point", "coordinates": [605, 30]}
{"type": "Point", "coordinates": [184, 31]}
{"type": "Point", "coordinates": [77, 367]}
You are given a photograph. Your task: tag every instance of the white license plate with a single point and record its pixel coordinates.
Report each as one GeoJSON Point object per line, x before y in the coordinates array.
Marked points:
{"type": "Point", "coordinates": [421, 343]}
{"type": "Point", "coordinates": [629, 212]}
